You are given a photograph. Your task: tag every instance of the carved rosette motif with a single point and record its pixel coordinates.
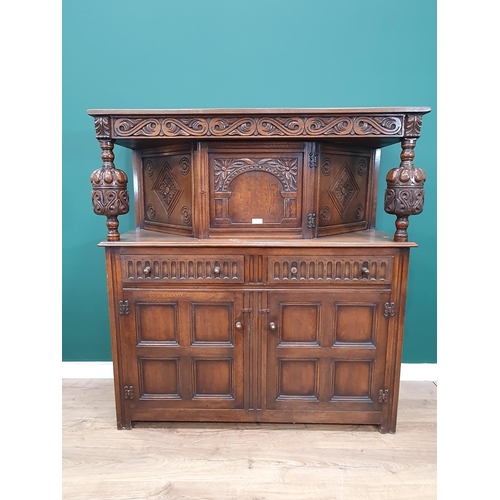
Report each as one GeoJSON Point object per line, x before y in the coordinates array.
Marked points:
{"type": "Point", "coordinates": [263, 126]}
{"type": "Point", "coordinates": [109, 191]}
{"type": "Point", "coordinates": [404, 195]}
{"type": "Point", "coordinates": [285, 169]}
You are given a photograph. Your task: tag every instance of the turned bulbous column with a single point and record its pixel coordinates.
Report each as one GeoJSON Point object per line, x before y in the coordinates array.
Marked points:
{"type": "Point", "coordinates": [109, 191]}
{"type": "Point", "coordinates": [404, 195]}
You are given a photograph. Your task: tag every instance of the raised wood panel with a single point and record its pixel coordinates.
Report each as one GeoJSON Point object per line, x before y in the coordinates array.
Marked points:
{"type": "Point", "coordinates": [159, 378]}
{"type": "Point", "coordinates": [299, 323]}
{"type": "Point", "coordinates": [355, 324]}
{"type": "Point", "coordinates": [213, 378]}
{"type": "Point", "coordinates": [157, 323]}
{"type": "Point", "coordinates": [298, 380]}
{"type": "Point", "coordinates": [212, 324]}
{"type": "Point", "coordinates": [352, 380]}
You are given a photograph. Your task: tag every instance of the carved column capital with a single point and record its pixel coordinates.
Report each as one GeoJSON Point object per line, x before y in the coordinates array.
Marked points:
{"type": "Point", "coordinates": [109, 191]}
{"type": "Point", "coordinates": [404, 195]}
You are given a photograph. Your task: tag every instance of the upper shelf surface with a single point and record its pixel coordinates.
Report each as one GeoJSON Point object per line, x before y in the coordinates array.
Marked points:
{"type": "Point", "coordinates": [256, 111]}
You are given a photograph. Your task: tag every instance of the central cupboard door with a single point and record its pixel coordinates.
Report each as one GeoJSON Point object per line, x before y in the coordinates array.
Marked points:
{"type": "Point", "coordinates": [326, 350]}
{"type": "Point", "coordinates": [188, 349]}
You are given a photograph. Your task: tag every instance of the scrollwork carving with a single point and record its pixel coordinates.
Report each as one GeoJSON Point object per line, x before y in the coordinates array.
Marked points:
{"type": "Point", "coordinates": [256, 126]}
{"type": "Point", "coordinates": [387, 125]}
{"type": "Point", "coordinates": [232, 126]}
{"type": "Point", "coordinates": [280, 126]}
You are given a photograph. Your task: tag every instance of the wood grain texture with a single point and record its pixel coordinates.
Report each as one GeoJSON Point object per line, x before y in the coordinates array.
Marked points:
{"type": "Point", "coordinates": [245, 461]}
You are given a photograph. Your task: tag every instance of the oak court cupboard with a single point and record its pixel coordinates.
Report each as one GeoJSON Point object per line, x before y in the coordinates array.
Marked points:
{"type": "Point", "coordinates": [255, 287]}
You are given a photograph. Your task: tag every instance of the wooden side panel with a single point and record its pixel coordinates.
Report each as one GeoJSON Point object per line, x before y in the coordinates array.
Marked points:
{"type": "Point", "coordinates": [345, 185]}
{"type": "Point", "coordinates": [166, 180]}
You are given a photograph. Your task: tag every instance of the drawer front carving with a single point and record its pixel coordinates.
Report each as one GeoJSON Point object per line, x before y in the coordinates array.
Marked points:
{"type": "Point", "coordinates": [178, 268]}
{"type": "Point", "coordinates": [330, 270]}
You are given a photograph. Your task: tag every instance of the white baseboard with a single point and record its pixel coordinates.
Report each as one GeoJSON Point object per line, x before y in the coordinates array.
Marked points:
{"type": "Point", "coordinates": [418, 372]}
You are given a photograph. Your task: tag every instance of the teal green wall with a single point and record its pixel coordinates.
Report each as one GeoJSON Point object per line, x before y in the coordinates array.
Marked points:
{"type": "Point", "coordinates": [238, 54]}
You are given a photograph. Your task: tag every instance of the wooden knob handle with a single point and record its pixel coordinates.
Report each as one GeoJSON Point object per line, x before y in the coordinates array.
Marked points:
{"type": "Point", "coordinates": [272, 325]}
{"type": "Point", "coordinates": [238, 325]}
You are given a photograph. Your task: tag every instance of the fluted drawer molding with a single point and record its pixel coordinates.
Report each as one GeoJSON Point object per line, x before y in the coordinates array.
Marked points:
{"type": "Point", "coordinates": [180, 268]}
{"type": "Point", "coordinates": [359, 270]}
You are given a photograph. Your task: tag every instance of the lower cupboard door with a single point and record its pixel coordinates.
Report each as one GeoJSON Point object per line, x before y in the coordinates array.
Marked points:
{"type": "Point", "coordinates": [326, 353]}
{"type": "Point", "coordinates": [182, 350]}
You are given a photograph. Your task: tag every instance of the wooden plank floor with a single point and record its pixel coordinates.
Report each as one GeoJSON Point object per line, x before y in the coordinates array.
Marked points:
{"type": "Point", "coordinates": [245, 461]}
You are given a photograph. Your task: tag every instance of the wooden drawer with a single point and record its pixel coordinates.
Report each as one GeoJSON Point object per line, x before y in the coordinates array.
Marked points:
{"type": "Point", "coordinates": [330, 270]}
{"type": "Point", "coordinates": [206, 269]}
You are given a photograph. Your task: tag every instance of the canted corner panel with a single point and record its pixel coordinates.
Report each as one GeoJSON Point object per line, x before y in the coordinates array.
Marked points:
{"type": "Point", "coordinates": [297, 380]}
{"type": "Point", "coordinates": [159, 378]}
{"type": "Point", "coordinates": [213, 378]}
{"type": "Point", "coordinates": [289, 269]}
{"type": "Point", "coordinates": [212, 324]}
{"type": "Point", "coordinates": [354, 324]}
{"type": "Point", "coordinates": [178, 268]}
{"type": "Point", "coordinates": [343, 196]}
{"type": "Point", "coordinates": [352, 380]}
{"type": "Point", "coordinates": [299, 324]}
{"type": "Point", "coordinates": [167, 190]}
{"type": "Point", "coordinates": [157, 323]}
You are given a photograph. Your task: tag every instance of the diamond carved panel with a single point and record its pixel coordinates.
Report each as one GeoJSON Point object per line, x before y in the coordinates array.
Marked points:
{"type": "Point", "coordinates": [343, 189]}
{"type": "Point", "coordinates": [167, 188]}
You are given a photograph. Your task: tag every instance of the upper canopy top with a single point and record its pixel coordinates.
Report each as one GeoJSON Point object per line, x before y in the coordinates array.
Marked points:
{"type": "Point", "coordinates": [257, 111]}
{"type": "Point", "coordinates": [373, 127]}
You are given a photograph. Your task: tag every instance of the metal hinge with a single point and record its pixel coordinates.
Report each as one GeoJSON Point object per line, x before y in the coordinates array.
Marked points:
{"type": "Point", "coordinates": [123, 307]}
{"type": "Point", "coordinates": [383, 395]}
{"type": "Point", "coordinates": [389, 309]}
{"type": "Point", "coordinates": [128, 392]}
{"type": "Point", "coordinates": [311, 220]}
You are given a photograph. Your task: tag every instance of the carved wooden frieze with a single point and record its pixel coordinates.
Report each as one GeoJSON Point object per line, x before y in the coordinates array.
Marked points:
{"type": "Point", "coordinates": [264, 126]}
